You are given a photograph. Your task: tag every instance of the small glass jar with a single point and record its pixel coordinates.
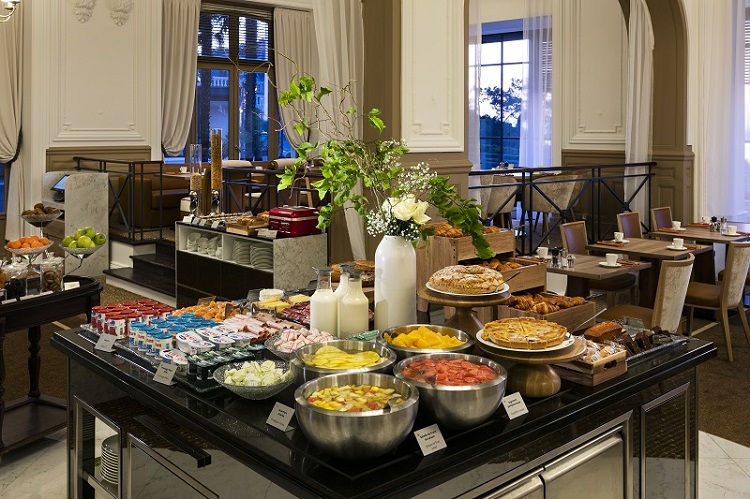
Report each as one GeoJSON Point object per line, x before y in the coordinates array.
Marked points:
{"type": "Point", "coordinates": [15, 279]}
{"type": "Point", "coordinates": [51, 271]}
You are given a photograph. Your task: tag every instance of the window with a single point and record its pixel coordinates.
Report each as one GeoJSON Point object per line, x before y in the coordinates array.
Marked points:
{"type": "Point", "coordinates": [234, 90]}
{"type": "Point", "coordinates": [504, 58]}
{"type": "Point", "coordinates": [747, 110]}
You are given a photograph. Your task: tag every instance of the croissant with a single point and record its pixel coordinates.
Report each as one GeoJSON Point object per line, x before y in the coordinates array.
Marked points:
{"type": "Point", "coordinates": [544, 308]}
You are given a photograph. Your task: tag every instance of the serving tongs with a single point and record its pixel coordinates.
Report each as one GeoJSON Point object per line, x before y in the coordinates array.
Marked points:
{"type": "Point", "coordinates": [600, 312]}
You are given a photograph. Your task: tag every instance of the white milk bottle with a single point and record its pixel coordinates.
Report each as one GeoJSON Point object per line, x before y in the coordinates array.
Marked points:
{"type": "Point", "coordinates": [341, 291]}
{"type": "Point", "coordinates": [323, 303]}
{"type": "Point", "coordinates": [353, 316]}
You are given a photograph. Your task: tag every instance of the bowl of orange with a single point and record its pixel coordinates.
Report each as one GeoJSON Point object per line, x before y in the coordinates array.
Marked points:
{"type": "Point", "coordinates": [28, 245]}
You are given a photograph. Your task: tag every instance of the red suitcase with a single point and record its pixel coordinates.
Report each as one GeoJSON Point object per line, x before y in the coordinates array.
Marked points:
{"type": "Point", "coordinates": [293, 221]}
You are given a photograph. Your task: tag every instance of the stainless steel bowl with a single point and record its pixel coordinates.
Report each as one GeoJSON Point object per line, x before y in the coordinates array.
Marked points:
{"type": "Point", "coordinates": [303, 372]}
{"type": "Point", "coordinates": [356, 435]}
{"type": "Point", "coordinates": [458, 406]}
{"type": "Point", "coordinates": [402, 352]}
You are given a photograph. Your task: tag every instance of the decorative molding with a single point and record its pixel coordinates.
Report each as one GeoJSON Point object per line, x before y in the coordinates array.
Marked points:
{"type": "Point", "coordinates": [84, 9]}
{"type": "Point", "coordinates": [120, 10]}
{"type": "Point", "coordinates": [433, 76]}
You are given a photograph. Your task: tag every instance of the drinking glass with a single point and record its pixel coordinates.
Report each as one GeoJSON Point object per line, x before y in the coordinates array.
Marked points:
{"type": "Point", "coordinates": [195, 158]}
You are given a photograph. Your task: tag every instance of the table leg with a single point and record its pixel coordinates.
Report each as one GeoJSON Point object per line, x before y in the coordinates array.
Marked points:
{"type": "Point", "coordinates": [578, 286]}
{"type": "Point", "coordinates": [465, 319]}
{"type": "Point", "coordinates": [35, 363]}
{"type": "Point", "coordinates": [647, 281]}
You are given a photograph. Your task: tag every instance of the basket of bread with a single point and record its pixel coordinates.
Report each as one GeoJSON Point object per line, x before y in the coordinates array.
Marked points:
{"type": "Point", "coordinates": [574, 313]}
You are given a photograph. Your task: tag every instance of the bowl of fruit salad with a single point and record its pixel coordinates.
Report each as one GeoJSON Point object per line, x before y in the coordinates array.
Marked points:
{"type": "Point", "coordinates": [356, 415]}
{"type": "Point", "coordinates": [255, 380]}
{"type": "Point", "coordinates": [457, 390]}
{"type": "Point", "coordinates": [340, 356]}
{"type": "Point", "coordinates": [416, 339]}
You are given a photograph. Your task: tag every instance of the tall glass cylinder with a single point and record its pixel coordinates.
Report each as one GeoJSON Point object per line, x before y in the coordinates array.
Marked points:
{"type": "Point", "coordinates": [216, 170]}
{"type": "Point", "coordinates": [195, 152]}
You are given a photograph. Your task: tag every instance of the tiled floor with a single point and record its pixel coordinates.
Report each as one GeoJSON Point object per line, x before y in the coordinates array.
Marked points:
{"type": "Point", "coordinates": [38, 470]}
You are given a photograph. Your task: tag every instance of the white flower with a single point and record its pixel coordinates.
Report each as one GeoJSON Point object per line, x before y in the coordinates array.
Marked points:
{"type": "Point", "coordinates": [408, 208]}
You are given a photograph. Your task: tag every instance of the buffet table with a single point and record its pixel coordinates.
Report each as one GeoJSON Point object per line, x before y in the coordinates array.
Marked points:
{"type": "Point", "coordinates": [31, 418]}
{"type": "Point", "coordinates": [641, 426]}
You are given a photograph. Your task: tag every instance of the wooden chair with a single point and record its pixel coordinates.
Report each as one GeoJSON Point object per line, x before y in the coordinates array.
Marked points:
{"type": "Point", "coordinates": [728, 294]}
{"type": "Point", "coordinates": [499, 199]}
{"type": "Point", "coordinates": [574, 240]}
{"type": "Point", "coordinates": [661, 218]}
{"type": "Point", "coordinates": [670, 298]}
{"type": "Point", "coordinates": [629, 223]}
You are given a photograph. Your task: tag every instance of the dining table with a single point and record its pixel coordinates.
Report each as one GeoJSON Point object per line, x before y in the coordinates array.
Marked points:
{"type": "Point", "coordinates": [654, 251]}
{"type": "Point", "coordinates": [594, 268]}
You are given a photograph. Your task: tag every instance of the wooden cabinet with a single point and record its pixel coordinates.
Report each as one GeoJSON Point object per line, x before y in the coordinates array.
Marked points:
{"type": "Point", "coordinates": [279, 263]}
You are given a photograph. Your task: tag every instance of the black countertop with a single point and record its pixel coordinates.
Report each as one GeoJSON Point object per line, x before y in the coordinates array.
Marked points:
{"type": "Point", "coordinates": [238, 426]}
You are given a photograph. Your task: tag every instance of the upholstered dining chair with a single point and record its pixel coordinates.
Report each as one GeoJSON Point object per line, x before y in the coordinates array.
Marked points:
{"type": "Point", "coordinates": [499, 199]}
{"type": "Point", "coordinates": [559, 194]}
{"type": "Point", "coordinates": [728, 294]}
{"type": "Point", "coordinates": [661, 218]}
{"type": "Point", "coordinates": [674, 278]}
{"type": "Point", "coordinates": [574, 239]}
{"type": "Point", "coordinates": [629, 223]}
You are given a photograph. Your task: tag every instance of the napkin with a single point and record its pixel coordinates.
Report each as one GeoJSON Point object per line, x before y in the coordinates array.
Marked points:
{"type": "Point", "coordinates": [671, 231]}
{"type": "Point", "coordinates": [699, 225]}
{"type": "Point", "coordinates": [611, 243]}
{"type": "Point", "coordinates": [628, 263]}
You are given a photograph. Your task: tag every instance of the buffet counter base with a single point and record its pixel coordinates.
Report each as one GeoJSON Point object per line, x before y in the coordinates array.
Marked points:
{"type": "Point", "coordinates": [643, 424]}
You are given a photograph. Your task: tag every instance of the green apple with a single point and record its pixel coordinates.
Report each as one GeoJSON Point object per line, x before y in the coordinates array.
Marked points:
{"type": "Point", "coordinates": [99, 238]}
{"type": "Point", "coordinates": [84, 242]}
{"type": "Point", "coordinates": [73, 244]}
{"type": "Point", "coordinates": [78, 233]}
{"type": "Point", "coordinates": [89, 231]}
{"type": "Point", "coordinates": [66, 242]}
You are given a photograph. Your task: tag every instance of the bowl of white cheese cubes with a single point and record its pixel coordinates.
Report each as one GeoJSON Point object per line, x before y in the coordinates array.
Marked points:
{"type": "Point", "coordinates": [255, 380]}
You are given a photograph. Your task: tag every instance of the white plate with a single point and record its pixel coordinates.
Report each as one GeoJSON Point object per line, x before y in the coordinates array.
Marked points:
{"type": "Point", "coordinates": [500, 291]}
{"type": "Point", "coordinates": [569, 340]}
{"type": "Point", "coordinates": [671, 247]}
{"type": "Point", "coordinates": [623, 241]}
{"type": "Point", "coordinates": [605, 264]}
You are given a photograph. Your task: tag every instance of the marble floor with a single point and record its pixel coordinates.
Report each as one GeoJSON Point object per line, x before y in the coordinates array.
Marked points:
{"type": "Point", "coordinates": [38, 470]}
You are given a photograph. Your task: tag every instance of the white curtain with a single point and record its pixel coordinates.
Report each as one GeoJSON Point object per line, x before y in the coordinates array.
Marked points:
{"type": "Point", "coordinates": [339, 30]}
{"type": "Point", "coordinates": [536, 103]}
{"type": "Point", "coordinates": [296, 55]}
{"type": "Point", "coordinates": [639, 111]}
{"type": "Point", "coordinates": [11, 93]}
{"type": "Point", "coordinates": [723, 127]}
{"type": "Point", "coordinates": [475, 91]}
{"type": "Point", "coordinates": [179, 57]}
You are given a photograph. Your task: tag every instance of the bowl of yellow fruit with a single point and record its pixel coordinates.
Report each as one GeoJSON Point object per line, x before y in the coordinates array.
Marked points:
{"type": "Point", "coordinates": [340, 356]}
{"type": "Point", "coordinates": [418, 339]}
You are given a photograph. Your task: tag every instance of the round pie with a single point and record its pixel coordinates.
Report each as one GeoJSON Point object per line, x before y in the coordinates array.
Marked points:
{"type": "Point", "coordinates": [466, 280]}
{"type": "Point", "coordinates": [524, 333]}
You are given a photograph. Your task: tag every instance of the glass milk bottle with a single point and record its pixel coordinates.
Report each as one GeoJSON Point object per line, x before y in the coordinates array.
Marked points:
{"type": "Point", "coordinates": [342, 289]}
{"type": "Point", "coordinates": [353, 316]}
{"type": "Point", "coordinates": [323, 303]}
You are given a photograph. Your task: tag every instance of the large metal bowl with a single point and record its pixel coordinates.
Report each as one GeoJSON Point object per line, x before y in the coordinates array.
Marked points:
{"type": "Point", "coordinates": [458, 406]}
{"type": "Point", "coordinates": [304, 372]}
{"type": "Point", "coordinates": [356, 435]}
{"type": "Point", "coordinates": [403, 352]}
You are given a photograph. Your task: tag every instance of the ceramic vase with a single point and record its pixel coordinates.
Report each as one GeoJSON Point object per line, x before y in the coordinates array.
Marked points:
{"type": "Point", "coordinates": [395, 283]}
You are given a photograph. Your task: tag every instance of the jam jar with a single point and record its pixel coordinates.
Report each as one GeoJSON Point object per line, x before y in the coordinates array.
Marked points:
{"type": "Point", "coordinates": [15, 280]}
{"type": "Point", "coordinates": [51, 271]}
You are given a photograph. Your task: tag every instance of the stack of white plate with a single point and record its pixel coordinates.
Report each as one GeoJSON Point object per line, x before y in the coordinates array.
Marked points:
{"type": "Point", "coordinates": [241, 252]}
{"type": "Point", "coordinates": [110, 463]}
{"type": "Point", "coordinates": [262, 257]}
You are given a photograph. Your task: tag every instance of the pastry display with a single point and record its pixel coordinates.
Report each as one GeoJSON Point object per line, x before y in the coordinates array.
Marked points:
{"type": "Point", "coordinates": [524, 333]}
{"type": "Point", "coordinates": [599, 351]}
{"type": "Point", "coordinates": [499, 265]}
{"type": "Point", "coordinates": [545, 304]}
{"type": "Point", "coordinates": [466, 280]}
{"type": "Point", "coordinates": [365, 267]}
{"type": "Point", "coordinates": [448, 230]}
{"type": "Point", "coordinates": [603, 331]}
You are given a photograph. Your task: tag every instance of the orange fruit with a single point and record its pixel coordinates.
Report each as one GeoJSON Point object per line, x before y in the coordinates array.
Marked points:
{"type": "Point", "coordinates": [32, 238]}
{"type": "Point", "coordinates": [14, 244]}
{"type": "Point", "coordinates": [36, 244]}
{"type": "Point", "coordinates": [44, 240]}
{"type": "Point", "coordinates": [25, 245]}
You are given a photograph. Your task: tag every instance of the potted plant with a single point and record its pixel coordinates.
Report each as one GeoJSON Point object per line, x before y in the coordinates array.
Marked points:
{"type": "Point", "coordinates": [368, 177]}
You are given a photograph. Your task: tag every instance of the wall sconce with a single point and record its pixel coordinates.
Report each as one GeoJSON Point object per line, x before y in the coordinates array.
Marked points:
{"type": "Point", "coordinates": [10, 8]}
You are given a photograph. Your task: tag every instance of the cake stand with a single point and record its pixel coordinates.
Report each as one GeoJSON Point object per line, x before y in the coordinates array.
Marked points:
{"type": "Point", "coordinates": [531, 374]}
{"type": "Point", "coordinates": [40, 221]}
{"type": "Point", "coordinates": [80, 254]}
{"type": "Point", "coordinates": [465, 318]}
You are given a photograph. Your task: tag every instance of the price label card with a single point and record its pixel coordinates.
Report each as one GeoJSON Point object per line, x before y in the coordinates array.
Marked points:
{"type": "Point", "coordinates": [105, 342]}
{"type": "Point", "coordinates": [194, 221]}
{"type": "Point", "coordinates": [27, 297]}
{"type": "Point", "coordinates": [45, 293]}
{"type": "Point", "coordinates": [187, 218]}
{"type": "Point", "coordinates": [202, 222]}
{"type": "Point", "coordinates": [9, 300]}
{"type": "Point", "coordinates": [215, 225]}
{"type": "Point", "coordinates": [71, 285]}
{"type": "Point", "coordinates": [268, 233]}
{"type": "Point", "coordinates": [280, 416]}
{"type": "Point", "coordinates": [514, 405]}
{"type": "Point", "coordinates": [165, 373]}
{"type": "Point", "coordinates": [430, 439]}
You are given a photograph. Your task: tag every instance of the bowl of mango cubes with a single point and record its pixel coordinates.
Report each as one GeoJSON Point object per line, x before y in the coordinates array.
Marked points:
{"type": "Point", "coordinates": [418, 339]}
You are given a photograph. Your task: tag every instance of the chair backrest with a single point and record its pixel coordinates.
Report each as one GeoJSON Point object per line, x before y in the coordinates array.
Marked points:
{"type": "Point", "coordinates": [500, 199]}
{"type": "Point", "coordinates": [574, 237]}
{"type": "Point", "coordinates": [674, 277]}
{"type": "Point", "coordinates": [629, 223]}
{"type": "Point", "coordinates": [735, 273]}
{"type": "Point", "coordinates": [559, 191]}
{"type": "Point", "coordinates": [661, 218]}
{"type": "Point", "coordinates": [235, 162]}
{"type": "Point", "coordinates": [281, 163]}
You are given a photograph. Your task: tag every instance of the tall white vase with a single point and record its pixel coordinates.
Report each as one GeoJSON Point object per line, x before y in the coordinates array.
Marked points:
{"type": "Point", "coordinates": [395, 283]}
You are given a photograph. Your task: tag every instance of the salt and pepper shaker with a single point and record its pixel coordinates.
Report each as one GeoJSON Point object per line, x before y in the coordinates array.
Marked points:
{"type": "Point", "coordinates": [723, 226]}
{"type": "Point", "coordinates": [563, 258]}
{"type": "Point", "coordinates": [714, 225]}
{"type": "Point", "coordinates": [571, 260]}
{"type": "Point", "coordinates": [555, 258]}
